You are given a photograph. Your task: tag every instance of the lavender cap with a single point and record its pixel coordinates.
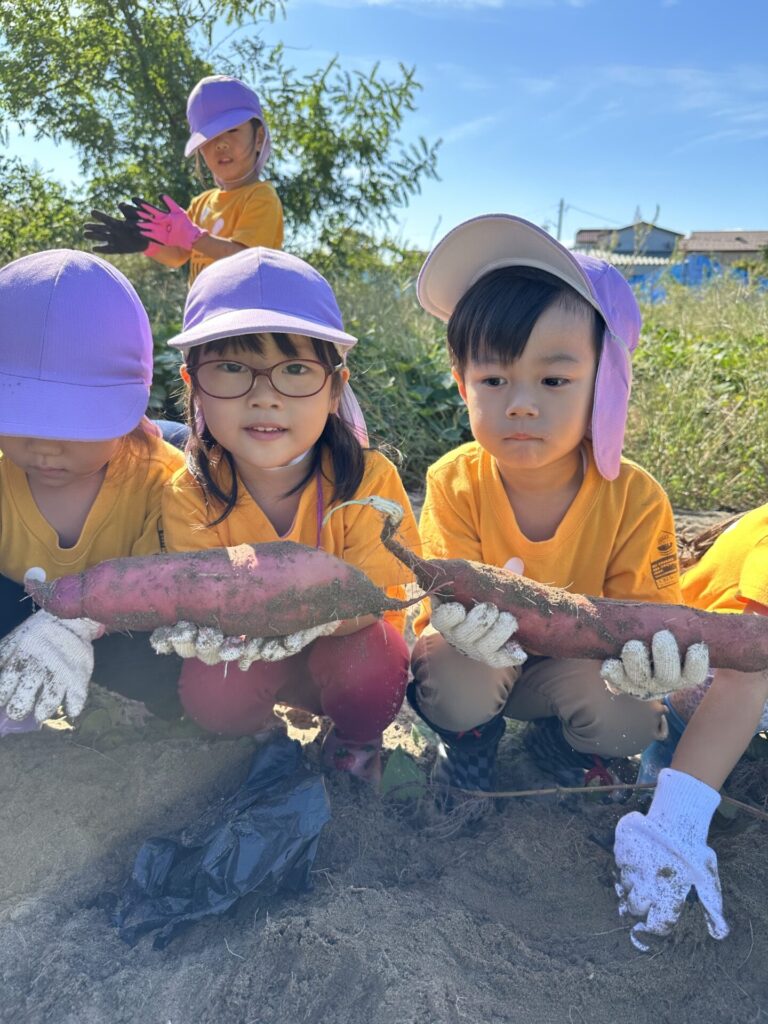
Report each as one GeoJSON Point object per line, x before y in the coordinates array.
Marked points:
{"type": "Point", "coordinates": [258, 291]}
{"type": "Point", "coordinates": [486, 243]}
{"type": "Point", "coordinates": [218, 103]}
{"type": "Point", "coordinates": [75, 348]}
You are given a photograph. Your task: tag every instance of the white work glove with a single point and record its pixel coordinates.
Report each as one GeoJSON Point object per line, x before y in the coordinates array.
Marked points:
{"type": "Point", "coordinates": [482, 633]}
{"type": "Point", "coordinates": [648, 675]}
{"type": "Point", "coordinates": [46, 662]}
{"type": "Point", "coordinates": [209, 645]}
{"type": "Point", "coordinates": [661, 854]}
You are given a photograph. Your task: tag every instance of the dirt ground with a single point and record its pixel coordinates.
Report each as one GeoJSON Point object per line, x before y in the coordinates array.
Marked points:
{"type": "Point", "coordinates": [415, 917]}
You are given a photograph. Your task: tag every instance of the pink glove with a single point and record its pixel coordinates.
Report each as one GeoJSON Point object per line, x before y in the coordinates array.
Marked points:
{"type": "Point", "coordinates": [172, 228]}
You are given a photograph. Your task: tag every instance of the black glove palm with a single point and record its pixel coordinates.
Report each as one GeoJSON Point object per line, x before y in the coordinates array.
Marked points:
{"type": "Point", "coordinates": [118, 236]}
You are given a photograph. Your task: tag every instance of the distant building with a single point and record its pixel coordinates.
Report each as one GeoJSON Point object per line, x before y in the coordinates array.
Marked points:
{"type": "Point", "coordinates": [725, 246]}
{"type": "Point", "coordinates": [640, 239]}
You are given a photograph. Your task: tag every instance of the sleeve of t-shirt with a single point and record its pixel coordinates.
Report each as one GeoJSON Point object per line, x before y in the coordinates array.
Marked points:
{"type": "Point", "coordinates": [644, 565]}
{"type": "Point", "coordinates": [753, 580]}
{"type": "Point", "coordinates": [261, 222]}
{"type": "Point", "coordinates": [186, 515]}
{"type": "Point", "coordinates": [163, 463]}
{"type": "Point", "coordinates": [363, 547]}
{"type": "Point", "coordinates": [447, 525]}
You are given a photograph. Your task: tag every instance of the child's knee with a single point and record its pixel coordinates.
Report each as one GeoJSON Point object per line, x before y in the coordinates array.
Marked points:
{"type": "Point", "coordinates": [361, 678]}
{"type": "Point", "coordinates": [452, 691]}
{"type": "Point", "coordinates": [618, 726]}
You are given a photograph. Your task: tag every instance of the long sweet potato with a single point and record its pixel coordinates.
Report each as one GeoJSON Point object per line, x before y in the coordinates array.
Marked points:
{"type": "Point", "coordinates": [260, 590]}
{"type": "Point", "coordinates": [556, 622]}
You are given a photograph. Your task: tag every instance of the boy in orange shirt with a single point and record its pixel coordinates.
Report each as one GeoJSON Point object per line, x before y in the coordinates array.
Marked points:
{"type": "Point", "coordinates": [540, 341]}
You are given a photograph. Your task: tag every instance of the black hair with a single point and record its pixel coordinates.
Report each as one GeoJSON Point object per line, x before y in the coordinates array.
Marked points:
{"type": "Point", "coordinates": [204, 453]}
{"type": "Point", "coordinates": [494, 318]}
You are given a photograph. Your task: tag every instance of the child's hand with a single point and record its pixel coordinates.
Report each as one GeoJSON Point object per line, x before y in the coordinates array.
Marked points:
{"type": "Point", "coordinates": [173, 226]}
{"type": "Point", "coordinates": [114, 236]}
{"type": "Point", "coordinates": [481, 634]}
{"type": "Point", "coordinates": [662, 854]}
{"type": "Point", "coordinates": [211, 646]}
{"type": "Point", "coordinates": [635, 674]}
{"type": "Point", "coordinates": [46, 662]}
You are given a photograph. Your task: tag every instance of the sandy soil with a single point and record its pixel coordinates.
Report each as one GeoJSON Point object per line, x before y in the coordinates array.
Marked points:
{"type": "Point", "coordinates": [415, 917]}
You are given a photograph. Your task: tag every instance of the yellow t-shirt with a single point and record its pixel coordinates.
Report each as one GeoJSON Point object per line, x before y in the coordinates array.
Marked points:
{"type": "Point", "coordinates": [616, 540]}
{"type": "Point", "coordinates": [352, 533]}
{"type": "Point", "coordinates": [251, 215]}
{"type": "Point", "coordinates": [123, 520]}
{"type": "Point", "coordinates": [735, 569]}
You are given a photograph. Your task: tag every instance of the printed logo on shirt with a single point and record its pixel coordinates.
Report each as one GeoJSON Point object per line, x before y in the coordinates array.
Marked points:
{"type": "Point", "coordinates": [664, 567]}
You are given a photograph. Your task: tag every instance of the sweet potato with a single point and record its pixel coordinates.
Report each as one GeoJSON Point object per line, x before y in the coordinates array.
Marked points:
{"type": "Point", "coordinates": [260, 590]}
{"type": "Point", "coordinates": [558, 623]}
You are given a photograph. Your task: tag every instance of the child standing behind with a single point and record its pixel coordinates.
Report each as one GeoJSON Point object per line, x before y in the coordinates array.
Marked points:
{"type": "Point", "coordinates": [81, 470]}
{"type": "Point", "coordinates": [540, 341]}
{"type": "Point", "coordinates": [275, 443]}
{"type": "Point", "coordinates": [229, 131]}
{"type": "Point", "coordinates": [661, 854]}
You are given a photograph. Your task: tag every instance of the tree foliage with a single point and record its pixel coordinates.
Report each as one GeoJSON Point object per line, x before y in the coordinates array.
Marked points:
{"type": "Point", "coordinates": [35, 213]}
{"type": "Point", "coordinates": [111, 77]}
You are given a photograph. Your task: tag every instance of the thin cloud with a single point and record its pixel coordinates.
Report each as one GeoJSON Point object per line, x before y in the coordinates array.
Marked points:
{"type": "Point", "coordinates": [469, 129]}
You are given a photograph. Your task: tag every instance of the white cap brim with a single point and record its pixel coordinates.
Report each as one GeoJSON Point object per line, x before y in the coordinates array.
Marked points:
{"type": "Point", "coordinates": [486, 243]}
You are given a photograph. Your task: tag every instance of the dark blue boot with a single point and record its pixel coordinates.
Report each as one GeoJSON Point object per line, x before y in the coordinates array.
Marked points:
{"type": "Point", "coordinates": [465, 760]}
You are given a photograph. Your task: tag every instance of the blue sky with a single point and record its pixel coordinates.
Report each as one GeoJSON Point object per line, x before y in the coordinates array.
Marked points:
{"type": "Point", "coordinates": [611, 105]}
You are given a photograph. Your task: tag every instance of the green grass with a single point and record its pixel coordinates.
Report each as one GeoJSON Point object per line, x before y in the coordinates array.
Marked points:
{"type": "Point", "coordinates": [699, 410]}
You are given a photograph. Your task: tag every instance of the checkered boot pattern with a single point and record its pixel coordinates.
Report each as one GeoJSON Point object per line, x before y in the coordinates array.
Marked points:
{"type": "Point", "coordinates": [544, 741]}
{"type": "Point", "coordinates": [465, 760]}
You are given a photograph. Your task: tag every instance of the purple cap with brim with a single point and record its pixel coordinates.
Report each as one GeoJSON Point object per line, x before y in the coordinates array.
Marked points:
{"type": "Point", "coordinates": [482, 244]}
{"type": "Point", "coordinates": [258, 291]}
{"type": "Point", "coordinates": [218, 103]}
{"type": "Point", "coordinates": [75, 348]}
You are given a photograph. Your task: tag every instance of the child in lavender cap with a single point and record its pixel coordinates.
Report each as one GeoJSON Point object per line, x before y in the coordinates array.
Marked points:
{"type": "Point", "coordinates": [229, 131]}
{"type": "Point", "coordinates": [81, 473]}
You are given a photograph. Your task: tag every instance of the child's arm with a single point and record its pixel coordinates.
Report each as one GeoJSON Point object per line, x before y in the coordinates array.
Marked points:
{"type": "Point", "coordinates": [722, 726]}
{"type": "Point", "coordinates": [660, 855]}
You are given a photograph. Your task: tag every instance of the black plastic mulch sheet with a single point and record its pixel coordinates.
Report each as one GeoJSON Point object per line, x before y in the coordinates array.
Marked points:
{"type": "Point", "coordinates": [263, 838]}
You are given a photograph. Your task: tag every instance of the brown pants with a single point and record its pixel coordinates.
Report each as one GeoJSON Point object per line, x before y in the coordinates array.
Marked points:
{"type": "Point", "coordinates": [457, 693]}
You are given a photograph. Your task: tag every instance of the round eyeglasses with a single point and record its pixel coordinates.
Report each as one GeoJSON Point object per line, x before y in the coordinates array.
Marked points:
{"type": "Point", "coordinates": [293, 378]}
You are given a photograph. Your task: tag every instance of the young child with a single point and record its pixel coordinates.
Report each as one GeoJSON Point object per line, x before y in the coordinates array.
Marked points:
{"type": "Point", "coordinates": [229, 131]}
{"type": "Point", "coordinates": [661, 854]}
{"type": "Point", "coordinates": [540, 340]}
{"type": "Point", "coordinates": [275, 443]}
{"type": "Point", "coordinates": [81, 472]}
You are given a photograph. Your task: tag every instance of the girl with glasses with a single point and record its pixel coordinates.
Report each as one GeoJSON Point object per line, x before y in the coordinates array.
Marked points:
{"type": "Point", "coordinates": [276, 440]}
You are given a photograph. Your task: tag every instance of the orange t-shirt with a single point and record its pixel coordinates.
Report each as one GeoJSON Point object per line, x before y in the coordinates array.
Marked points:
{"type": "Point", "coordinates": [617, 539]}
{"type": "Point", "coordinates": [251, 215]}
{"type": "Point", "coordinates": [123, 520]}
{"type": "Point", "coordinates": [733, 574]}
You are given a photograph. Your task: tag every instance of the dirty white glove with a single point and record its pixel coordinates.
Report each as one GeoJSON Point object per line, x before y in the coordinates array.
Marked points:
{"type": "Point", "coordinates": [482, 633]}
{"type": "Point", "coordinates": [46, 662]}
{"type": "Point", "coordinates": [648, 675]}
{"type": "Point", "coordinates": [661, 854]}
{"type": "Point", "coordinates": [209, 645]}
